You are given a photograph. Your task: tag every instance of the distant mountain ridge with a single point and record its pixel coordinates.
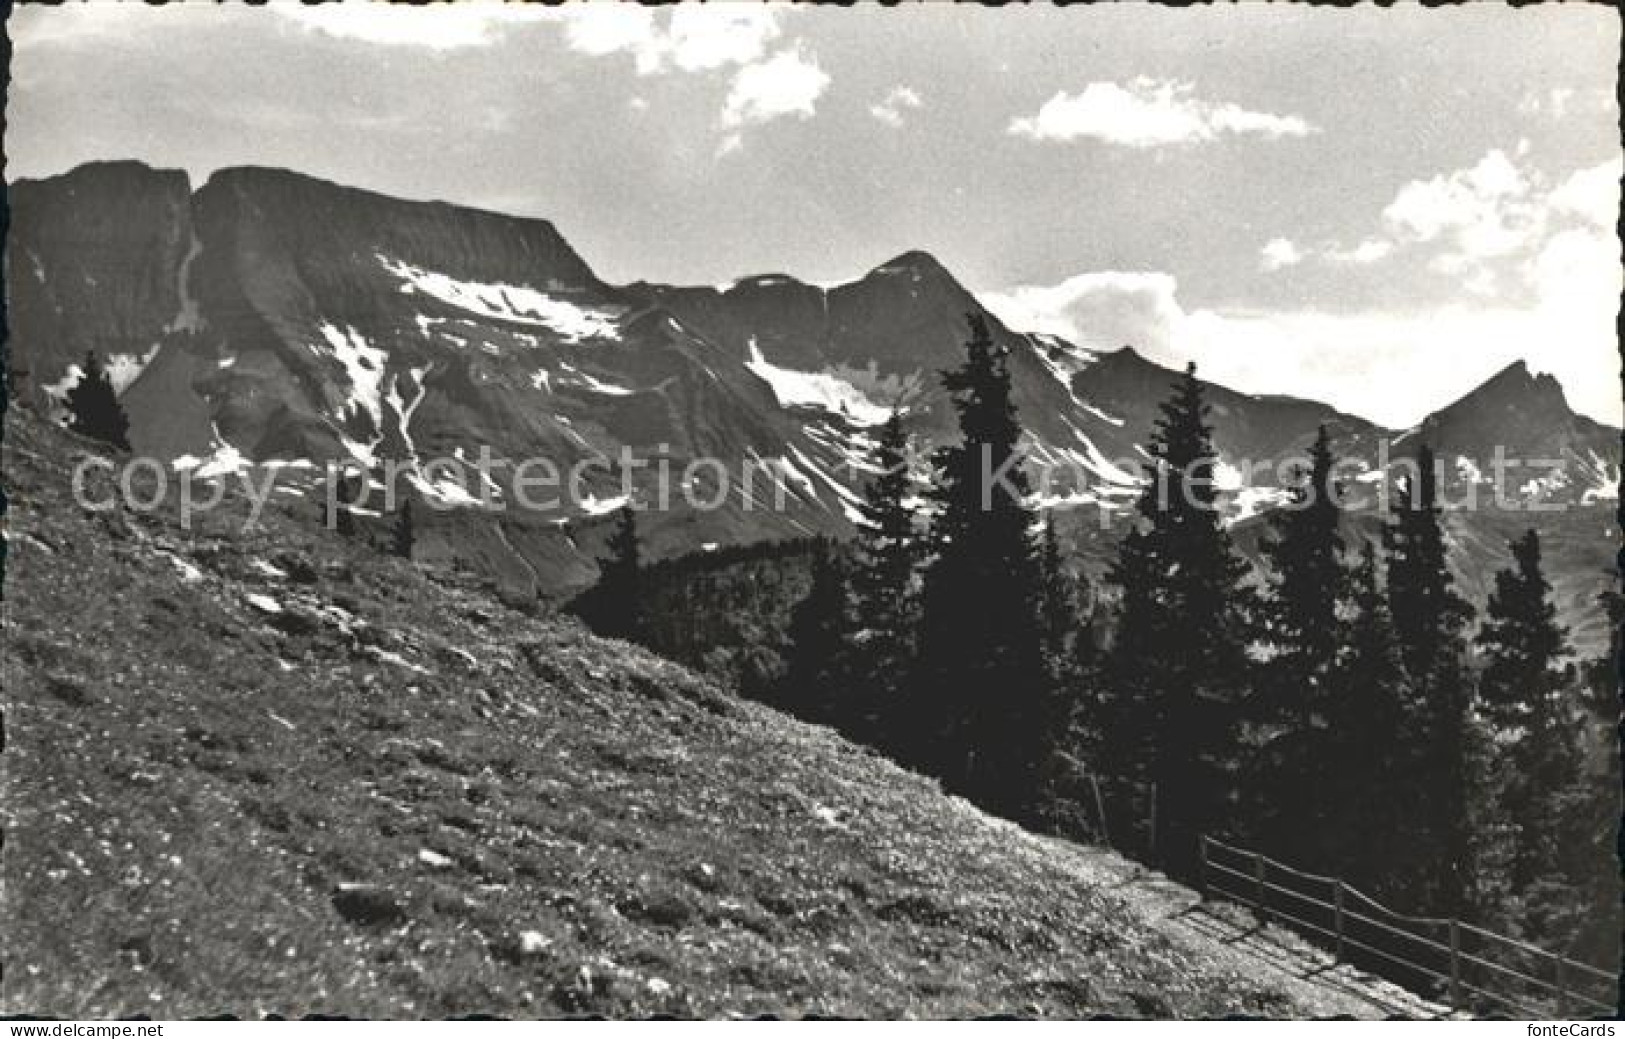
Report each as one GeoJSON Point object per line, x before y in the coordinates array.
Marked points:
{"type": "Point", "coordinates": [271, 316]}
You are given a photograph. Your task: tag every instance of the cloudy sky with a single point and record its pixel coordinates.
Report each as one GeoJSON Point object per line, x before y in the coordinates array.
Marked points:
{"type": "Point", "coordinates": [1376, 208]}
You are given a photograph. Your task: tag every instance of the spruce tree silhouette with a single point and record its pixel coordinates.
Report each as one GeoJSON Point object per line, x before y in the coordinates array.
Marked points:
{"type": "Point", "coordinates": [1179, 665]}
{"type": "Point", "coordinates": [1524, 691]}
{"type": "Point", "coordinates": [350, 489]}
{"type": "Point", "coordinates": [1067, 635]}
{"type": "Point", "coordinates": [616, 605]}
{"type": "Point", "coordinates": [403, 537]}
{"type": "Point", "coordinates": [94, 409]}
{"type": "Point", "coordinates": [817, 678]}
{"type": "Point", "coordinates": [982, 686]}
{"type": "Point", "coordinates": [885, 593]}
{"type": "Point", "coordinates": [1430, 619]}
{"type": "Point", "coordinates": [1300, 625]}
{"type": "Point", "coordinates": [1367, 790]}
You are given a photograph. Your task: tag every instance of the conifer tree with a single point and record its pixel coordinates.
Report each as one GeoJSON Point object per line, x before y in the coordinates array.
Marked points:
{"type": "Point", "coordinates": [1524, 691]}
{"type": "Point", "coordinates": [1430, 619]}
{"type": "Point", "coordinates": [1058, 607]}
{"type": "Point", "coordinates": [94, 409]}
{"type": "Point", "coordinates": [982, 681]}
{"type": "Point", "coordinates": [348, 493]}
{"type": "Point", "coordinates": [615, 606]}
{"type": "Point", "coordinates": [1368, 789]}
{"type": "Point", "coordinates": [816, 681]}
{"type": "Point", "coordinates": [1179, 664]}
{"type": "Point", "coordinates": [885, 593]}
{"type": "Point", "coordinates": [1300, 630]}
{"type": "Point", "coordinates": [1308, 582]}
{"type": "Point", "coordinates": [403, 537]}
{"type": "Point", "coordinates": [1067, 635]}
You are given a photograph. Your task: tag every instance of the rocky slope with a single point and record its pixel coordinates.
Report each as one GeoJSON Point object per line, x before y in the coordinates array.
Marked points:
{"type": "Point", "coordinates": [256, 770]}
{"type": "Point", "coordinates": [269, 317]}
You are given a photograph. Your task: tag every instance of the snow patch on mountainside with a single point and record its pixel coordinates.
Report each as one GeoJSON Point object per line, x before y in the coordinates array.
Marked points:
{"type": "Point", "coordinates": [854, 447]}
{"type": "Point", "coordinates": [1250, 501]}
{"type": "Point", "coordinates": [594, 506]}
{"type": "Point", "coordinates": [404, 409]}
{"type": "Point", "coordinates": [1544, 487]}
{"type": "Point", "coordinates": [594, 385]}
{"type": "Point", "coordinates": [363, 369]}
{"type": "Point", "coordinates": [223, 458]}
{"type": "Point", "coordinates": [516, 303]}
{"type": "Point", "coordinates": [815, 389]}
{"type": "Point", "coordinates": [1109, 472]}
{"type": "Point", "coordinates": [1063, 360]}
{"type": "Point", "coordinates": [1603, 479]}
{"type": "Point", "coordinates": [124, 369]}
{"type": "Point", "coordinates": [121, 369]}
{"type": "Point", "coordinates": [848, 499]}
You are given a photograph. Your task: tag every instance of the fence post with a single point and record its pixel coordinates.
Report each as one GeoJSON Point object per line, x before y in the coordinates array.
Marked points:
{"type": "Point", "coordinates": [1201, 855]}
{"type": "Point", "coordinates": [1100, 810]}
{"type": "Point", "coordinates": [1258, 880]}
{"type": "Point", "coordinates": [1151, 827]}
{"type": "Point", "coordinates": [1455, 965]}
{"type": "Point", "coordinates": [1562, 985]}
{"type": "Point", "coordinates": [1337, 916]}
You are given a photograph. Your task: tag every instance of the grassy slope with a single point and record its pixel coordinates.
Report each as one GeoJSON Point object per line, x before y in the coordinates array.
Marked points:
{"type": "Point", "coordinates": [553, 824]}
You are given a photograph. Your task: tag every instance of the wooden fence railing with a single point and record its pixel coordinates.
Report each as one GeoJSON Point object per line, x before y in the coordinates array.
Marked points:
{"type": "Point", "coordinates": [1472, 969]}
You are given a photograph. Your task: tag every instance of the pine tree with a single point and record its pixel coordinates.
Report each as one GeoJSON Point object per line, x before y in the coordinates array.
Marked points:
{"type": "Point", "coordinates": [350, 489]}
{"type": "Point", "coordinates": [94, 409]}
{"type": "Point", "coordinates": [1430, 620]}
{"type": "Point", "coordinates": [1179, 665]}
{"type": "Point", "coordinates": [1524, 690]}
{"type": "Point", "coordinates": [1308, 583]}
{"type": "Point", "coordinates": [1058, 608]}
{"type": "Point", "coordinates": [615, 606]}
{"type": "Point", "coordinates": [1067, 635]}
{"type": "Point", "coordinates": [1300, 630]}
{"type": "Point", "coordinates": [884, 579]}
{"type": "Point", "coordinates": [403, 537]}
{"type": "Point", "coordinates": [816, 681]}
{"type": "Point", "coordinates": [982, 682]}
{"type": "Point", "coordinates": [1368, 789]}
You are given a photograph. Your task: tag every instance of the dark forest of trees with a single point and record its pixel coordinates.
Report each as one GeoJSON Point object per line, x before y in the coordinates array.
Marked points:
{"type": "Point", "coordinates": [1349, 713]}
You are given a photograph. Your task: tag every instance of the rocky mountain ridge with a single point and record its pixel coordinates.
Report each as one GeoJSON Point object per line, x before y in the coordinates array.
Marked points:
{"type": "Point", "coordinates": [270, 318]}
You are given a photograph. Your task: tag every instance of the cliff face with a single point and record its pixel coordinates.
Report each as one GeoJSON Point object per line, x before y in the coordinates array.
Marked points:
{"type": "Point", "coordinates": [94, 262]}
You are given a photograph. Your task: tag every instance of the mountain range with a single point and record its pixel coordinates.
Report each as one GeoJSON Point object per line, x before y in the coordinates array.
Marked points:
{"type": "Point", "coordinates": [267, 318]}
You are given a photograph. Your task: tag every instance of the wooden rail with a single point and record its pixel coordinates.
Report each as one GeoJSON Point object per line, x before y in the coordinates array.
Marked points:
{"type": "Point", "coordinates": [1468, 963]}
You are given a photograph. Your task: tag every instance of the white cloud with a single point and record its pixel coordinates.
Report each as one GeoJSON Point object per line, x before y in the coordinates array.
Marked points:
{"type": "Point", "coordinates": [600, 29]}
{"type": "Point", "coordinates": [1147, 113]}
{"type": "Point", "coordinates": [1393, 366]}
{"type": "Point", "coordinates": [1484, 211]}
{"type": "Point", "coordinates": [1367, 252]}
{"type": "Point", "coordinates": [890, 109]}
{"type": "Point", "coordinates": [1278, 253]}
{"type": "Point", "coordinates": [711, 36]}
{"type": "Point", "coordinates": [1097, 309]}
{"type": "Point", "coordinates": [1483, 225]}
{"type": "Point", "coordinates": [692, 38]}
{"type": "Point", "coordinates": [470, 23]}
{"type": "Point", "coordinates": [1591, 193]}
{"type": "Point", "coordinates": [787, 84]}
